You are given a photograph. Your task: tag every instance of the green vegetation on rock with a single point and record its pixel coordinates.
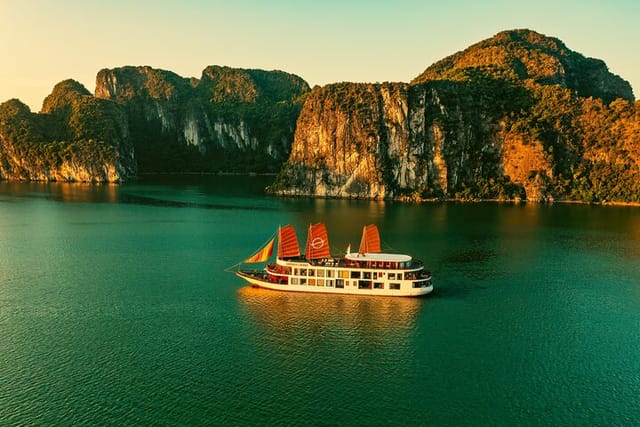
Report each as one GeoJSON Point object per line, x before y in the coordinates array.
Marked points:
{"type": "Point", "coordinates": [76, 138]}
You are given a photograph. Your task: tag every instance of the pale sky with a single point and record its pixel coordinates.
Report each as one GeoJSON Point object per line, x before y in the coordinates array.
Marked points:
{"type": "Point", "coordinates": [46, 41]}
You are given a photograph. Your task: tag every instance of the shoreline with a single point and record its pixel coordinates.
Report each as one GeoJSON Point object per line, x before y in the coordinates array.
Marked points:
{"type": "Point", "coordinates": [399, 199]}
{"type": "Point", "coordinates": [208, 173]}
{"type": "Point", "coordinates": [407, 200]}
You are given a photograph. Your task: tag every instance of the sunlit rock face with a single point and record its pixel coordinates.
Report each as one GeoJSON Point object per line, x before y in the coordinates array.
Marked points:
{"type": "Point", "coordinates": [383, 141]}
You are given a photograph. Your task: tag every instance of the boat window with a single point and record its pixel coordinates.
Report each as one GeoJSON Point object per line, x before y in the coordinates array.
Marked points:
{"type": "Point", "coordinates": [320, 282]}
{"type": "Point", "coordinates": [343, 274]}
{"type": "Point", "coordinates": [355, 274]}
{"type": "Point", "coordinates": [392, 276]}
{"type": "Point", "coordinates": [295, 271]}
{"type": "Point", "coordinates": [366, 275]}
{"type": "Point", "coordinates": [303, 281]}
{"type": "Point", "coordinates": [312, 272]}
{"type": "Point", "coordinates": [312, 282]}
{"type": "Point", "coordinates": [330, 283]}
{"type": "Point", "coordinates": [303, 271]}
{"type": "Point", "coordinates": [294, 280]}
{"type": "Point", "coordinates": [339, 283]}
{"type": "Point", "coordinates": [378, 285]}
{"type": "Point", "coordinates": [329, 273]}
{"type": "Point", "coordinates": [364, 284]}
{"type": "Point", "coordinates": [419, 284]}
{"type": "Point", "coordinates": [395, 286]}
{"type": "Point", "coordinates": [320, 272]}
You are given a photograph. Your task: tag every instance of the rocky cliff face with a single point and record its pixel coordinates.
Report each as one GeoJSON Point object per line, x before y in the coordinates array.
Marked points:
{"type": "Point", "coordinates": [346, 137]}
{"type": "Point", "coordinates": [229, 119]}
{"type": "Point", "coordinates": [389, 140]}
{"type": "Point", "coordinates": [76, 137]}
{"type": "Point", "coordinates": [518, 116]}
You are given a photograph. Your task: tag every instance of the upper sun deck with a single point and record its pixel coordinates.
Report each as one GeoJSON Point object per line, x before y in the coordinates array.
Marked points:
{"type": "Point", "coordinates": [378, 257]}
{"type": "Point", "coordinates": [369, 261]}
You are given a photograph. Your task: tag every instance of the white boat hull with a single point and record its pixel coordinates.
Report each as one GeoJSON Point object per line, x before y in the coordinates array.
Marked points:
{"type": "Point", "coordinates": [352, 290]}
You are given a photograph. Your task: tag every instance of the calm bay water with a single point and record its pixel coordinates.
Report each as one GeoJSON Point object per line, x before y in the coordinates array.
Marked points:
{"type": "Point", "coordinates": [115, 309]}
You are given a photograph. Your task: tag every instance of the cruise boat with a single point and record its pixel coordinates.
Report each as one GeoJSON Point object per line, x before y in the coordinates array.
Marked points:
{"type": "Point", "coordinates": [366, 272]}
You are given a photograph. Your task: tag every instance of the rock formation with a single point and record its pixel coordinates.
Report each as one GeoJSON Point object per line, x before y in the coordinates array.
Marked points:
{"type": "Point", "coordinates": [228, 120]}
{"type": "Point", "coordinates": [76, 137]}
{"type": "Point", "coordinates": [149, 120]}
{"type": "Point", "coordinates": [518, 116]}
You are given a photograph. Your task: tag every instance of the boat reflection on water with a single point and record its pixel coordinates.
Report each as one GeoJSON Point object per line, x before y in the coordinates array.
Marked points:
{"type": "Point", "coordinates": [356, 318]}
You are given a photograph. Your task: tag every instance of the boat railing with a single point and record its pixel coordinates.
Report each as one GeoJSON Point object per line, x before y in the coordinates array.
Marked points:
{"type": "Point", "coordinates": [278, 269]}
{"type": "Point", "coordinates": [414, 264]}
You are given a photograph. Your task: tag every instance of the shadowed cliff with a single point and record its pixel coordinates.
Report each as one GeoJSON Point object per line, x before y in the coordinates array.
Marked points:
{"type": "Point", "coordinates": [231, 120]}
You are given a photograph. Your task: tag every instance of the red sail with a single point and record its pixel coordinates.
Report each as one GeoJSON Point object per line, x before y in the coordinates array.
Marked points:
{"type": "Point", "coordinates": [317, 242]}
{"type": "Point", "coordinates": [288, 242]}
{"type": "Point", "coordinates": [370, 242]}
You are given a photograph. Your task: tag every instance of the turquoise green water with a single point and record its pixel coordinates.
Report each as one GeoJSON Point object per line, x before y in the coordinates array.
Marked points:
{"type": "Point", "coordinates": [115, 309]}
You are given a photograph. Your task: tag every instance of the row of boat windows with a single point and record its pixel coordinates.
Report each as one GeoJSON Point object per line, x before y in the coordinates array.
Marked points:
{"type": "Point", "coordinates": [380, 264]}
{"type": "Point", "coordinates": [346, 274]}
{"type": "Point", "coordinates": [361, 284]}
{"type": "Point", "coordinates": [341, 283]}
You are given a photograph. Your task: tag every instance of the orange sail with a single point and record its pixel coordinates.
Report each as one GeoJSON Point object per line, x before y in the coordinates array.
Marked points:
{"type": "Point", "coordinates": [370, 242]}
{"type": "Point", "coordinates": [263, 254]}
{"type": "Point", "coordinates": [317, 242]}
{"type": "Point", "coordinates": [288, 242]}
